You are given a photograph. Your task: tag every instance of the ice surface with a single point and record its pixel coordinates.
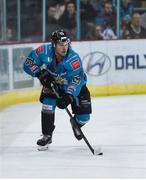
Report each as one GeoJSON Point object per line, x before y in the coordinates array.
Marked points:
{"type": "Point", "coordinates": [118, 125]}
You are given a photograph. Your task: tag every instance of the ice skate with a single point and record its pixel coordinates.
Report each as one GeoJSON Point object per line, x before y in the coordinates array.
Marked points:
{"type": "Point", "coordinates": [43, 143]}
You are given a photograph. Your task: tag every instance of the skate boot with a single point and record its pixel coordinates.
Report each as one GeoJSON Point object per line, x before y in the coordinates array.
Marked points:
{"type": "Point", "coordinates": [43, 143]}
{"type": "Point", "coordinates": [75, 129]}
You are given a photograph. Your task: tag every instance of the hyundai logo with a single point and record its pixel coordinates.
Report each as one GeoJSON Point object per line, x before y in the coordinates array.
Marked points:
{"type": "Point", "coordinates": [96, 63]}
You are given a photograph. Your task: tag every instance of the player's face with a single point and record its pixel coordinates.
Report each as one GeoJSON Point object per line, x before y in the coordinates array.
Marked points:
{"type": "Point", "coordinates": [61, 48]}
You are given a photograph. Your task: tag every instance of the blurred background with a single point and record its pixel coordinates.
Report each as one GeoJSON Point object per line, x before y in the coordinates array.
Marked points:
{"type": "Point", "coordinates": [33, 20]}
{"type": "Point", "coordinates": [24, 22]}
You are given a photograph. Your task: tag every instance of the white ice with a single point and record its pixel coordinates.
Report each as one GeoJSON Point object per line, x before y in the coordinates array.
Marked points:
{"type": "Point", "coordinates": [118, 125]}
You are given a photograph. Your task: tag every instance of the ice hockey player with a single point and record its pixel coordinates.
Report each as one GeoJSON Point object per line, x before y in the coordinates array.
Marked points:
{"type": "Point", "coordinates": [58, 64]}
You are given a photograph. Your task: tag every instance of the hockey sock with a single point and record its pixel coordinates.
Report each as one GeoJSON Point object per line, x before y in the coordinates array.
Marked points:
{"type": "Point", "coordinates": [47, 120]}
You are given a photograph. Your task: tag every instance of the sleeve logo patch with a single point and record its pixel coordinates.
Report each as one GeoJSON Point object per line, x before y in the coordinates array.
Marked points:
{"type": "Point", "coordinates": [29, 62]}
{"type": "Point", "coordinates": [33, 68]}
{"type": "Point", "coordinates": [71, 88]}
{"type": "Point", "coordinates": [39, 50]}
{"type": "Point", "coordinates": [75, 64]}
{"type": "Point", "coordinates": [76, 79]}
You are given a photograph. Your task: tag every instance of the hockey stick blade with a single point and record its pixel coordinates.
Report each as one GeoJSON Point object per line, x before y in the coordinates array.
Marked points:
{"type": "Point", "coordinates": [98, 152]}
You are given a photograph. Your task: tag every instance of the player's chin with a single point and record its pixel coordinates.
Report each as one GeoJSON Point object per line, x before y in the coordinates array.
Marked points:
{"type": "Point", "coordinates": [63, 53]}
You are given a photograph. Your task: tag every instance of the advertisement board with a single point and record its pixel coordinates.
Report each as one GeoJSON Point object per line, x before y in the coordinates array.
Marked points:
{"type": "Point", "coordinates": [112, 67]}
{"type": "Point", "coordinates": [114, 62]}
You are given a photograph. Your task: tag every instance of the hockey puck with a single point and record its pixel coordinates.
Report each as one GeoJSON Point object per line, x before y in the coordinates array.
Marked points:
{"type": "Point", "coordinates": [100, 154]}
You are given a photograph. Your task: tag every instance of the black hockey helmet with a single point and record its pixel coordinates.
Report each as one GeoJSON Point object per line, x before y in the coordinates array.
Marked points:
{"type": "Point", "coordinates": [59, 36]}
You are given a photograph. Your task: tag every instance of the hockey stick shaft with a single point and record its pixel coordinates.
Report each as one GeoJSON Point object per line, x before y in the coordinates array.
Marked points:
{"type": "Point", "coordinates": [74, 122]}
{"type": "Point", "coordinates": [79, 129]}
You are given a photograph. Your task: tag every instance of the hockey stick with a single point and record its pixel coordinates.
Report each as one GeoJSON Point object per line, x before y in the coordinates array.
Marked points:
{"type": "Point", "coordinates": [94, 151]}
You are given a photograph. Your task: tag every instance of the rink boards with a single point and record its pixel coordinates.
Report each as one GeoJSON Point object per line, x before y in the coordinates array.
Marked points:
{"type": "Point", "coordinates": [115, 67]}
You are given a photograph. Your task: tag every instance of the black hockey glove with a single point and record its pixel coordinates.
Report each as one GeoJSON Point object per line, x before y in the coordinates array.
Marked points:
{"type": "Point", "coordinates": [64, 101]}
{"type": "Point", "coordinates": [45, 78]}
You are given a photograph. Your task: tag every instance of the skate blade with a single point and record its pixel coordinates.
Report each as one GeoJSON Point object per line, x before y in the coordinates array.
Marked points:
{"type": "Point", "coordinates": [43, 148]}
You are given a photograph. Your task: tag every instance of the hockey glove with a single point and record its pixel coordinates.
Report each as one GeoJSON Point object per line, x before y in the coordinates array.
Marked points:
{"type": "Point", "coordinates": [64, 101]}
{"type": "Point", "coordinates": [45, 78]}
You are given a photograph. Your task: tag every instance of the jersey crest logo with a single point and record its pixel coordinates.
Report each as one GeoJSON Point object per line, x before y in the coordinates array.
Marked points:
{"type": "Point", "coordinates": [39, 50]}
{"type": "Point", "coordinates": [60, 80]}
{"type": "Point", "coordinates": [75, 64]}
